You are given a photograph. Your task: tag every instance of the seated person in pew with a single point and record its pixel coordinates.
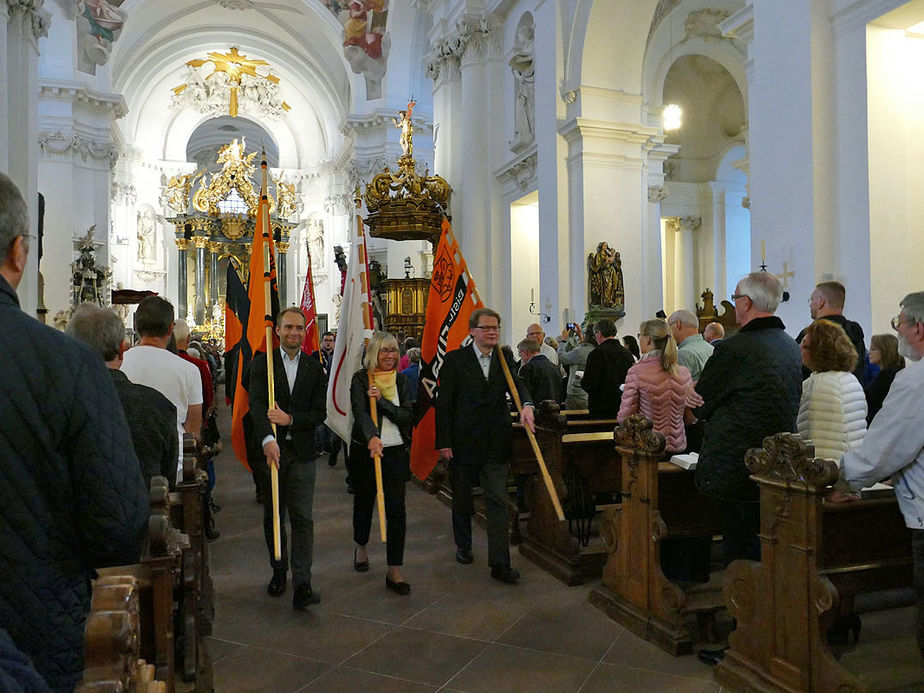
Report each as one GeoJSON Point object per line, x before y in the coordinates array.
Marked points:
{"type": "Point", "coordinates": [894, 444]}
{"type": "Point", "coordinates": [72, 497]}
{"type": "Point", "coordinates": [151, 416]}
{"type": "Point", "coordinates": [832, 413]}
{"type": "Point", "coordinates": [751, 386]}
{"type": "Point", "coordinates": [658, 387]}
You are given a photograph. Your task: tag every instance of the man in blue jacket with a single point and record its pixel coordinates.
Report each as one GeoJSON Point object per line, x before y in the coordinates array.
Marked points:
{"type": "Point", "coordinates": [72, 497]}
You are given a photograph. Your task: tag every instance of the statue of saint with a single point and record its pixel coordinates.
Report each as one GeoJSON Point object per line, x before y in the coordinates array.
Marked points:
{"type": "Point", "coordinates": [146, 232]}
{"type": "Point", "coordinates": [606, 282]}
{"type": "Point", "coordinates": [522, 64]}
{"type": "Point", "coordinates": [407, 128]}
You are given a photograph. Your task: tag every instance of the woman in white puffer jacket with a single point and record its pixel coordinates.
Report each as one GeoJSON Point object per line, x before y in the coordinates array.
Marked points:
{"type": "Point", "coordinates": [833, 409]}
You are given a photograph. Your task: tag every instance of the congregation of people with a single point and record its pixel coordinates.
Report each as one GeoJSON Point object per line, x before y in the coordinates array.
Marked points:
{"type": "Point", "coordinates": [88, 419]}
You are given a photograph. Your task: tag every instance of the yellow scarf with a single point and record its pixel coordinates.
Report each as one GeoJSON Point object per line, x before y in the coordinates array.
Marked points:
{"type": "Point", "coordinates": [387, 382]}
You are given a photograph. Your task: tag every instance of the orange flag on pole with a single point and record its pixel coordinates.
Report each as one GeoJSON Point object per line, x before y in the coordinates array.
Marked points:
{"type": "Point", "coordinates": [255, 330]}
{"type": "Point", "coordinates": [452, 299]}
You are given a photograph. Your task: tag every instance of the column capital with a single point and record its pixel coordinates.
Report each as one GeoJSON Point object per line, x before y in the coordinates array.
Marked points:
{"type": "Point", "coordinates": [656, 193]}
{"type": "Point", "coordinates": [215, 247]}
{"type": "Point", "coordinates": [183, 244]}
{"type": "Point", "coordinates": [689, 223]}
{"type": "Point", "coordinates": [35, 19]}
{"type": "Point", "coordinates": [282, 246]}
{"type": "Point", "coordinates": [481, 38]}
{"type": "Point", "coordinates": [201, 241]}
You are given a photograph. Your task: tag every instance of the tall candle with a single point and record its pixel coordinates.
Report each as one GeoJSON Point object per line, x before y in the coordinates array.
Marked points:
{"type": "Point", "coordinates": [763, 252]}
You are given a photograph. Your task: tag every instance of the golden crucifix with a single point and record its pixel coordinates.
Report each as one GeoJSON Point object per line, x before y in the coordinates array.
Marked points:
{"type": "Point", "coordinates": [235, 65]}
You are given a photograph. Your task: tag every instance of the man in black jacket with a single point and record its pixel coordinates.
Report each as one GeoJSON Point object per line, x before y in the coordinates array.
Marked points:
{"type": "Point", "coordinates": [151, 416]}
{"type": "Point", "coordinates": [72, 497]}
{"type": "Point", "coordinates": [474, 432]}
{"type": "Point", "coordinates": [827, 303]}
{"type": "Point", "coordinates": [542, 377]}
{"type": "Point", "coordinates": [605, 372]}
{"type": "Point", "coordinates": [751, 387]}
{"type": "Point", "coordinates": [300, 390]}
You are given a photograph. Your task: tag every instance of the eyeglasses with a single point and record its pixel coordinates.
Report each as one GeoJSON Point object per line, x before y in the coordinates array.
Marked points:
{"type": "Point", "coordinates": [897, 322]}
{"type": "Point", "coordinates": [735, 297]}
{"type": "Point", "coordinates": [488, 328]}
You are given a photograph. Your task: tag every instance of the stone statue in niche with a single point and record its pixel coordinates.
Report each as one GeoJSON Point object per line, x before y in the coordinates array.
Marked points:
{"type": "Point", "coordinates": [99, 23]}
{"type": "Point", "coordinates": [147, 229]}
{"type": "Point", "coordinates": [606, 283]}
{"type": "Point", "coordinates": [524, 108]}
{"type": "Point", "coordinates": [316, 243]}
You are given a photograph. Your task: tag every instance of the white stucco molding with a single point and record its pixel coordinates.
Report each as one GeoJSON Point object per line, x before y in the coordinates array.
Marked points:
{"type": "Point", "coordinates": [850, 15]}
{"type": "Point", "coordinates": [77, 92]}
{"type": "Point", "coordinates": [520, 170]}
{"type": "Point", "coordinates": [35, 19]}
{"type": "Point", "coordinates": [474, 39]}
{"type": "Point", "coordinates": [62, 146]}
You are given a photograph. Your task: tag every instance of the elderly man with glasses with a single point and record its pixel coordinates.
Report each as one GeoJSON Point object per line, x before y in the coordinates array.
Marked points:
{"type": "Point", "coordinates": [751, 387]}
{"type": "Point", "coordinates": [894, 444]}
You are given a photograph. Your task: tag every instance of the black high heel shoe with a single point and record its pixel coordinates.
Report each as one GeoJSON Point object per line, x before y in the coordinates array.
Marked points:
{"type": "Point", "coordinates": [360, 566]}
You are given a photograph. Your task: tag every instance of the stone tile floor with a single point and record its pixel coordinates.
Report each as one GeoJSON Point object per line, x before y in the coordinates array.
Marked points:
{"type": "Point", "coordinates": [459, 630]}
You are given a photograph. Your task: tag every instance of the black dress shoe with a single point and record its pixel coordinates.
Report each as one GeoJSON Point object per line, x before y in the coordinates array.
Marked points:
{"type": "Point", "coordinates": [464, 556]}
{"type": "Point", "coordinates": [304, 596]}
{"type": "Point", "coordinates": [401, 588]}
{"type": "Point", "coordinates": [711, 657]}
{"type": "Point", "coordinates": [505, 573]}
{"type": "Point", "coordinates": [332, 459]}
{"type": "Point", "coordinates": [277, 585]}
{"type": "Point", "coordinates": [360, 566]}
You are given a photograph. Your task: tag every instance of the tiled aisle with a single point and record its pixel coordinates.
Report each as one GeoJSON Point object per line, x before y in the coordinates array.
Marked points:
{"type": "Point", "coordinates": [459, 630]}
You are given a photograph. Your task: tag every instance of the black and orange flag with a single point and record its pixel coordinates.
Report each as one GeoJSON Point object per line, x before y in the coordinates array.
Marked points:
{"type": "Point", "coordinates": [237, 308]}
{"type": "Point", "coordinates": [253, 339]}
{"type": "Point", "coordinates": [452, 299]}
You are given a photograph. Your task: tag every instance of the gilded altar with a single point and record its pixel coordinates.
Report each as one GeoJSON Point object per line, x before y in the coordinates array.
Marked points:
{"type": "Point", "coordinates": [214, 220]}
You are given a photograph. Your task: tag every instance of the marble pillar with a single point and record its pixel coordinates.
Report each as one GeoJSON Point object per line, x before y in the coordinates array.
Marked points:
{"type": "Point", "coordinates": [182, 246]}
{"type": "Point", "coordinates": [201, 245]}
{"type": "Point", "coordinates": [214, 248]}
{"type": "Point", "coordinates": [282, 248]}
{"type": "Point", "coordinates": [684, 270]}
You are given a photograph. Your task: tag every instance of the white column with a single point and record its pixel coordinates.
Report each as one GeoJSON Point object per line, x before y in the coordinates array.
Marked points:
{"type": "Point", "coordinates": [23, 29]}
{"type": "Point", "coordinates": [684, 267]}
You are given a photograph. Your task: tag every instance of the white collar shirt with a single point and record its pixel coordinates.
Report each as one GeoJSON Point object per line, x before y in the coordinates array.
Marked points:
{"type": "Point", "coordinates": [484, 360]}
{"type": "Point", "coordinates": [291, 366]}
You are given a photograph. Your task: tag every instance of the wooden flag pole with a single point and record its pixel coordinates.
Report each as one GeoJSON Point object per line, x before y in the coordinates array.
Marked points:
{"type": "Point", "coordinates": [534, 444]}
{"type": "Point", "coordinates": [373, 405]}
{"type": "Point", "coordinates": [270, 371]}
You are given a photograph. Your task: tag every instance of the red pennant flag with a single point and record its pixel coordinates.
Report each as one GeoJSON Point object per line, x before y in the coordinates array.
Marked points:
{"type": "Point", "coordinates": [312, 341]}
{"type": "Point", "coordinates": [254, 332]}
{"type": "Point", "coordinates": [451, 301]}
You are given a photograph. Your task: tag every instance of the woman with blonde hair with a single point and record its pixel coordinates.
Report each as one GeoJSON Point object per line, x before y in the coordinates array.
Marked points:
{"type": "Point", "coordinates": [832, 412]}
{"type": "Point", "coordinates": [659, 388]}
{"type": "Point", "coordinates": [389, 437]}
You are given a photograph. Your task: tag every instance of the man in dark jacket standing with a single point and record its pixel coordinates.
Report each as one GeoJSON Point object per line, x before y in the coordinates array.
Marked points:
{"type": "Point", "coordinates": [72, 497]}
{"type": "Point", "coordinates": [605, 372]}
{"type": "Point", "coordinates": [751, 387]}
{"type": "Point", "coordinates": [300, 390]}
{"type": "Point", "coordinates": [474, 432]}
{"type": "Point", "coordinates": [827, 303]}
{"type": "Point", "coordinates": [542, 377]}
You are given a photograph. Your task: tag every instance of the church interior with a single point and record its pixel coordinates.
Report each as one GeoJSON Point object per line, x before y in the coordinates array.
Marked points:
{"type": "Point", "coordinates": [698, 139]}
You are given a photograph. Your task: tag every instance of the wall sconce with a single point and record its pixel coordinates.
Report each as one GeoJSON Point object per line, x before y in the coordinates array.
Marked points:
{"type": "Point", "coordinates": [543, 317]}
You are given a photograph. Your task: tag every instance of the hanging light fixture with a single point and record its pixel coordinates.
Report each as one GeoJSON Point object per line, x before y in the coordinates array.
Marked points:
{"type": "Point", "coordinates": [672, 115]}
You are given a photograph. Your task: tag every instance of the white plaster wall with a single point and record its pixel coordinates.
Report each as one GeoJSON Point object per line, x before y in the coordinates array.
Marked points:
{"type": "Point", "coordinates": [896, 121]}
{"type": "Point", "coordinates": [523, 268]}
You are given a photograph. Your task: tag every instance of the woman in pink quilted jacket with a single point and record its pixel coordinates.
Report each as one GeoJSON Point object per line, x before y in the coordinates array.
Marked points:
{"type": "Point", "coordinates": [658, 388]}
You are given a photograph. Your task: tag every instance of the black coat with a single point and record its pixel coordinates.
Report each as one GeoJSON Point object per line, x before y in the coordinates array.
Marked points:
{"type": "Point", "coordinates": [604, 373]}
{"type": "Point", "coordinates": [542, 378]}
{"type": "Point", "coordinates": [751, 386]}
{"type": "Point", "coordinates": [306, 403]}
{"type": "Point", "coordinates": [472, 414]}
{"type": "Point", "coordinates": [401, 415]}
{"type": "Point", "coordinates": [72, 498]}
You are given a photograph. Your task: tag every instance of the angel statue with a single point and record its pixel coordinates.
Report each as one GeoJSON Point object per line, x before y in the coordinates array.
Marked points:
{"type": "Point", "coordinates": [174, 194]}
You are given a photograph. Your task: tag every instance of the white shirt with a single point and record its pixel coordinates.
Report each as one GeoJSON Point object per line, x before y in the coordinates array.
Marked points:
{"type": "Point", "coordinates": [176, 379]}
{"type": "Point", "coordinates": [484, 360]}
{"type": "Point", "coordinates": [291, 366]}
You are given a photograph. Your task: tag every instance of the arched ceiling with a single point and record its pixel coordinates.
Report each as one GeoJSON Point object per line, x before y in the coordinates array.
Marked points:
{"type": "Point", "coordinates": [300, 39]}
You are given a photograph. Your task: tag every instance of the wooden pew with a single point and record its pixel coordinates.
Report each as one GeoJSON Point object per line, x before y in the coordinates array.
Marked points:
{"type": "Point", "coordinates": [814, 554]}
{"type": "Point", "coordinates": [158, 574]}
{"type": "Point", "coordinates": [580, 459]}
{"type": "Point", "coordinates": [659, 500]}
{"type": "Point", "coordinates": [112, 642]}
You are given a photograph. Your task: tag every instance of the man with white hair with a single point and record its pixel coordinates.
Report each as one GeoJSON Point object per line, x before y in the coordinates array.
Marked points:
{"type": "Point", "coordinates": [714, 332]}
{"type": "Point", "coordinates": [751, 387]}
{"type": "Point", "coordinates": [894, 444]}
{"type": "Point", "coordinates": [692, 350]}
